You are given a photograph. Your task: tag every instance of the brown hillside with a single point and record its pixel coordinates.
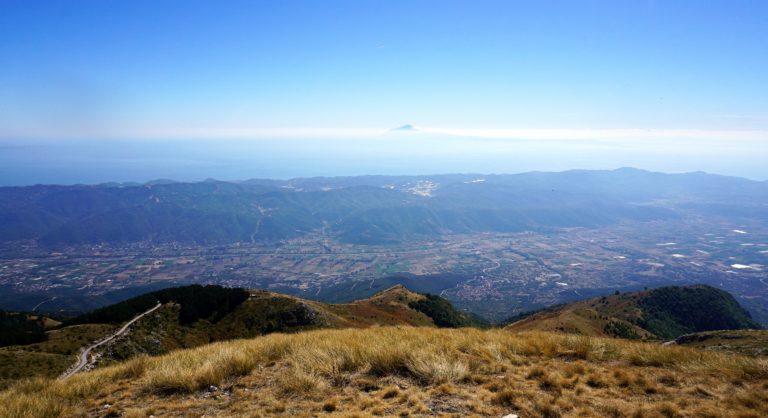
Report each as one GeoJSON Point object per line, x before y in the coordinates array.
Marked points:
{"type": "Point", "coordinates": [580, 318]}
{"type": "Point", "coordinates": [263, 313]}
{"type": "Point", "coordinates": [659, 314]}
{"type": "Point", "coordinates": [389, 307]}
{"type": "Point", "coordinates": [408, 371]}
{"type": "Point", "coordinates": [160, 332]}
{"type": "Point", "coordinates": [747, 342]}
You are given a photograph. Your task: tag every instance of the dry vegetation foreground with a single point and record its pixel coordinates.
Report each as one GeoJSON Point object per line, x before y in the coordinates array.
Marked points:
{"type": "Point", "coordinates": [404, 371]}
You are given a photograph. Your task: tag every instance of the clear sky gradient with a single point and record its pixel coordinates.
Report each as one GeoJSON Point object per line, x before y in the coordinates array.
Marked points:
{"type": "Point", "coordinates": [137, 70]}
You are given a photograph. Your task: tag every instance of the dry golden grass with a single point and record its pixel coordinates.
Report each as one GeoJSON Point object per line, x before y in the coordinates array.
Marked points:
{"type": "Point", "coordinates": [407, 371]}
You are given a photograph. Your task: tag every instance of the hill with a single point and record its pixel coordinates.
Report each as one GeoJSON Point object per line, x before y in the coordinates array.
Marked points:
{"type": "Point", "coordinates": [195, 315]}
{"type": "Point", "coordinates": [746, 342]}
{"type": "Point", "coordinates": [266, 312]}
{"type": "Point", "coordinates": [407, 371]}
{"type": "Point", "coordinates": [661, 313]}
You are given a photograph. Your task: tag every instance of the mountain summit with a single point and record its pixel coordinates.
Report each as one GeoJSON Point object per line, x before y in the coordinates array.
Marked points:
{"type": "Point", "coordinates": [405, 128]}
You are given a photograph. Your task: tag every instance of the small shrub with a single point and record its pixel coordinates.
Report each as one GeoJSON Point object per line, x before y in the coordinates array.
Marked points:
{"type": "Point", "coordinates": [301, 383]}
{"type": "Point", "coordinates": [550, 383]}
{"type": "Point", "coordinates": [536, 373]}
{"type": "Point", "coordinates": [330, 406]}
{"type": "Point", "coordinates": [669, 410]}
{"type": "Point", "coordinates": [546, 409]}
{"type": "Point", "coordinates": [507, 398]}
{"type": "Point", "coordinates": [701, 392]}
{"type": "Point", "coordinates": [390, 392]}
{"type": "Point", "coordinates": [596, 382]}
{"type": "Point", "coordinates": [667, 380]}
{"type": "Point", "coordinates": [437, 368]}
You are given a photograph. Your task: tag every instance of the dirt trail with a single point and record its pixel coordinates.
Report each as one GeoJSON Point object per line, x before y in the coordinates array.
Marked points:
{"type": "Point", "coordinates": [82, 359]}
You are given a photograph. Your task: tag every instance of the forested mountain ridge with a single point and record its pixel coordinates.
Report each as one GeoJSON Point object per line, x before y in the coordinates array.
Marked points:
{"type": "Point", "coordinates": [366, 209]}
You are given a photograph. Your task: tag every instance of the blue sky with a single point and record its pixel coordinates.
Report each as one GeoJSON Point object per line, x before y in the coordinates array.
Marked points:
{"type": "Point", "coordinates": [123, 68]}
{"type": "Point", "coordinates": [666, 72]}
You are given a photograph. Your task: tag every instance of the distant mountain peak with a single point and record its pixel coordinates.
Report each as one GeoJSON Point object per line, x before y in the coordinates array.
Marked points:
{"type": "Point", "coordinates": [404, 128]}
{"type": "Point", "coordinates": [630, 170]}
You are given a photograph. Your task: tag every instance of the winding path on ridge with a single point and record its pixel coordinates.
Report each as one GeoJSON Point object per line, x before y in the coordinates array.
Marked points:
{"type": "Point", "coordinates": [82, 359]}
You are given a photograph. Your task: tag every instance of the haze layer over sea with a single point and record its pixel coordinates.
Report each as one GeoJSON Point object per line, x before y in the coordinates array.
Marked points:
{"type": "Point", "coordinates": [68, 161]}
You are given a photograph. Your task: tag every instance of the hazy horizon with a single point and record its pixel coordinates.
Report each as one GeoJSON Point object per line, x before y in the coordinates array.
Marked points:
{"type": "Point", "coordinates": [413, 153]}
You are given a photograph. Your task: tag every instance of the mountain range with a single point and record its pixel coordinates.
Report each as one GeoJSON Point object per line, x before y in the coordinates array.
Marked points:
{"type": "Point", "coordinates": [366, 209]}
